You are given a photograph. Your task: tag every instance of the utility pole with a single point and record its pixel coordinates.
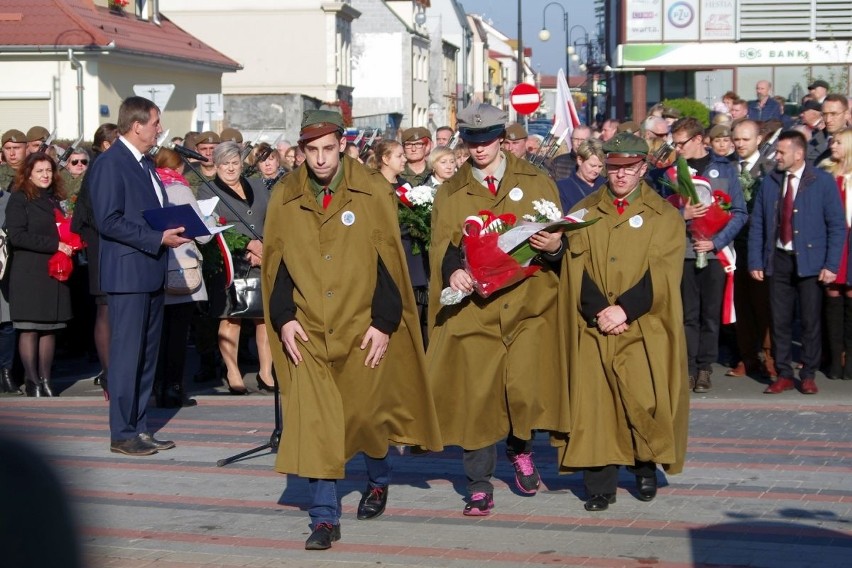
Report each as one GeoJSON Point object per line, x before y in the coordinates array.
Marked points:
{"type": "Point", "coordinates": [520, 46]}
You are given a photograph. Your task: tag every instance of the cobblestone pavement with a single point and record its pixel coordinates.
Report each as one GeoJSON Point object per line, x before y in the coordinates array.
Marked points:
{"type": "Point", "coordinates": [768, 482]}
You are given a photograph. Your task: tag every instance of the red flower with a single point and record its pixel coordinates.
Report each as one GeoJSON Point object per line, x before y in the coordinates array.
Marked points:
{"type": "Point", "coordinates": [722, 199]}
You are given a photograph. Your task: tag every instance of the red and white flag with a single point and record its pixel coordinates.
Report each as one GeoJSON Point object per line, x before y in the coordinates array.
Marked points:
{"type": "Point", "coordinates": [565, 112]}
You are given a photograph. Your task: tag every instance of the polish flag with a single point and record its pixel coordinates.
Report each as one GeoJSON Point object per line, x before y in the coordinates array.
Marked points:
{"type": "Point", "coordinates": [565, 112]}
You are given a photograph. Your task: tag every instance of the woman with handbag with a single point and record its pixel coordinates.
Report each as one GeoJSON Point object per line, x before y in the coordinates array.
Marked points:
{"type": "Point", "coordinates": [184, 287]}
{"type": "Point", "coordinates": [242, 204]}
{"type": "Point", "coordinates": [40, 304]}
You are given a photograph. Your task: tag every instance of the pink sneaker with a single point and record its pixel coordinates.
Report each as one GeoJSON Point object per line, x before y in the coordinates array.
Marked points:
{"type": "Point", "coordinates": [526, 475]}
{"type": "Point", "coordinates": [480, 505]}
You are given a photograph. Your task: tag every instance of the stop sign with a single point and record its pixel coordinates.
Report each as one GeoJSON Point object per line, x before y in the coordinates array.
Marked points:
{"type": "Point", "coordinates": [525, 98]}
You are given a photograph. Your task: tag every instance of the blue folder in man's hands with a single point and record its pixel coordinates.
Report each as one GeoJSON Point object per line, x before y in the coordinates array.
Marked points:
{"type": "Point", "coordinates": [172, 217]}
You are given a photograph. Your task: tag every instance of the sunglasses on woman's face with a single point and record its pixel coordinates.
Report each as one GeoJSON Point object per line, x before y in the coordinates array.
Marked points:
{"type": "Point", "coordinates": [84, 161]}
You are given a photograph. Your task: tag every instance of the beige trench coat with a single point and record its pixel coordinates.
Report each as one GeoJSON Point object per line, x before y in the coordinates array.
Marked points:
{"type": "Point", "coordinates": [629, 398]}
{"type": "Point", "coordinates": [333, 405]}
{"type": "Point", "coordinates": [496, 362]}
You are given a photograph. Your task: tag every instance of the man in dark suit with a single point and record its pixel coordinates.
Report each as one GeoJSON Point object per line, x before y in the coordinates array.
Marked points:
{"type": "Point", "coordinates": [796, 239]}
{"type": "Point", "coordinates": [123, 184]}
{"type": "Point", "coordinates": [751, 298]}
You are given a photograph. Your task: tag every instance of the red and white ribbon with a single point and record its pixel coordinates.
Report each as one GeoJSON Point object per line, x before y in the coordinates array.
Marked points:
{"type": "Point", "coordinates": [728, 258]}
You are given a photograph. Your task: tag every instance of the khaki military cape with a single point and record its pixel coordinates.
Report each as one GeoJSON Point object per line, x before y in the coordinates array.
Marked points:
{"type": "Point", "coordinates": [629, 398]}
{"type": "Point", "coordinates": [496, 362]}
{"type": "Point", "coordinates": [333, 405]}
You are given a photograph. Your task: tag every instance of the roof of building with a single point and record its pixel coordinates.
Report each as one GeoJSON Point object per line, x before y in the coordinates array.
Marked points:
{"type": "Point", "coordinates": [59, 24]}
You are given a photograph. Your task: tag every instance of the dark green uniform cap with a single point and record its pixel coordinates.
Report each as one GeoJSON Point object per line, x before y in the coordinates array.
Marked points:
{"type": "Point", "coordinates": [37, 133]}
{"type": "Point", "coordinates": [14, 135]}
{"type": "Point", "coordinates": [317, 123]}
{"type": "Point", "coordinates": [624, 149]}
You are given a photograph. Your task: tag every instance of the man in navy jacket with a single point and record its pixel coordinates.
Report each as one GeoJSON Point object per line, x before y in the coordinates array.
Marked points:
{"type": "Point", "coordinates": [133, 267]}
{"type": "Point", "coordinates": [795, 241]}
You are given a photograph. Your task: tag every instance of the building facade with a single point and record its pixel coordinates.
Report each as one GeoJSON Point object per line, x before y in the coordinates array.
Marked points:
{"type": "Point", "coordinates": [703, 48]}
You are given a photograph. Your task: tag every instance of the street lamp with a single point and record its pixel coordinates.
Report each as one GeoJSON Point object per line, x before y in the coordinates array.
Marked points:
{"type": "Point", "coordinates": [591, 66]}
{"type": "Point", "coordinates": [544, 34]}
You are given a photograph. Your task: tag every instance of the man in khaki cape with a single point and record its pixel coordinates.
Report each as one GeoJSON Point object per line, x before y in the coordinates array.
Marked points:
{"type": "Point", "coordinates": [496, 365]}
{"type": "Point", "coordinates": [627, 349]}
{"type": "Point", "coordinates": [350, 364]}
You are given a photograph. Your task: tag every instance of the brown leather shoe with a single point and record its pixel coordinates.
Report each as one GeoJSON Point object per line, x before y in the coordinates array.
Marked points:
{"type": "Point", "coordinates": [702, 383]}
{"type": "Point", "coordinates": [135, 446]}
{"type": "Point", "coordinates": [809, 386]}
{"type": "Point", "coordinates": [738, 371]}
{"type": "Point", "coordinates": [780, 385]}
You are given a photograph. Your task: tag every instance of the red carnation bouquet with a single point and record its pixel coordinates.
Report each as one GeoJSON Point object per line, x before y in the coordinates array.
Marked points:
{"type": "Point", "coordinates": [497, 250]}
{"type": "Point", "coordinates": [60, 265]}
{"type": "Point", "coordinates": [695, 189]}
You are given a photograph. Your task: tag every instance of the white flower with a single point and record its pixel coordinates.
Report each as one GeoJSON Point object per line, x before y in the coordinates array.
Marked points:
{"type": "Point", "coordinates": [421, 195]}
{"type": "Point", "coordinates": [530, 218]}
{"type": "Point", "coordinates": [547, 209]}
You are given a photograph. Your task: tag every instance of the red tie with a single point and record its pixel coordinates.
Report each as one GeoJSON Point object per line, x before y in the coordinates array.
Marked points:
{"type": "Point", "coordinates": [326, 197]}
{"type": "Point", "coordinates": [492, 184]}
{"type": "Point", "coordinates": [787, 213]}
{"type": "Point", "coordinates": [620, 205]}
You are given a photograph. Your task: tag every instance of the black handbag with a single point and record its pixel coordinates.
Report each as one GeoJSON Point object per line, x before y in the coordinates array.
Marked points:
{"type": "Point", "coordinates": [244, 298]}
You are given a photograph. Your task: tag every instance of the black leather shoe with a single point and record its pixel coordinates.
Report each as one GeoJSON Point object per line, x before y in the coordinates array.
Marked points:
{"type": "Point", "coordinates": [32, 388]}
{"type": "Point", "coordinates": [646, 487]}
{"type": "Point", "coordinates": [159, 444]}
{"type": "Point", "coordinates": [173, 396]}
{"type": "Point", "coordinates": [136, 446]}
{"type": "Point", "coordinates": [600, 502]}
{"type": "Point", "coordinates": [7, 383]}
{"type": "Point", "coordinates": [372, 502]}
{"type": "Point", "coordinates": [322, 537]}
{"type": "Point", "coordinates": [45, 387]}
{"type": "Point", "coordinates": [263, 387]}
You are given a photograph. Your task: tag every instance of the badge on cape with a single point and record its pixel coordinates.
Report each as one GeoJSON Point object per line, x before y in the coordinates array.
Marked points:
{"type": "Point", "coordinates": [714, 173]}
{"type": "Point", "coordinates": [347, 218]}
{"type": "Point", "coordinates": [636, 221]}
{"type": "Point", "coordinates": [516, 194]}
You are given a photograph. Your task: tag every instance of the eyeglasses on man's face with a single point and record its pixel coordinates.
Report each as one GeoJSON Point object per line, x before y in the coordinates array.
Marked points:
{"type": "Point", "coordinates": [84, 161]}
{"type": "Point", "coordinates": [683, 143]}
{"type": "Point", "coordinates": [413, 145]}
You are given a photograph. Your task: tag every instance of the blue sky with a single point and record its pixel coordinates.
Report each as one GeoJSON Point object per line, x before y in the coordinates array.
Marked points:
{"type": "Point", "coordinates": [548, 56]}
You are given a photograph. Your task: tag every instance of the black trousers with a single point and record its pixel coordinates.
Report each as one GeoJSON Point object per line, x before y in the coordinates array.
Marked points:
{"type": "Point", "coordinates": [702, 291]}
{"type": "Point", "coordinates": [604, 480]}
{"type": "Point", "coordinates": [479, 465]}
{"type": "Point", "coordinates": [785, 285]}
{"type": "Point", "coordinates": [172, 359]}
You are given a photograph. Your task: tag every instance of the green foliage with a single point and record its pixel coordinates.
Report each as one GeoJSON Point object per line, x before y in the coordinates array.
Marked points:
{"type": "Point", "coordinates": [690, 107]}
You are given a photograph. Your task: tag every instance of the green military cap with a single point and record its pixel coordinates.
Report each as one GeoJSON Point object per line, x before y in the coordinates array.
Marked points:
{"type": "Point", "coordinates": [37, 133]}
{"type": "Point", "coordinates": [231, 135]}
{"type": "Point", "coordinates": [624, 149]}
{"type": "Point", "coordinates": [415, 134]}
{"type": "Point", "coordinates": [628, 126]}
{"type": "Point", "coordinates": [719, 131]}
{"type": "Point", "coordinates": [207, 137]}
{"type": "Point", "coordinates": [317, 123]}
{"type": "Point", "coordinates": [14, 135]}
{"type": "Point", "coordinates": [515, 132]}
{"type": "Point", "coordinates": [481, 122]}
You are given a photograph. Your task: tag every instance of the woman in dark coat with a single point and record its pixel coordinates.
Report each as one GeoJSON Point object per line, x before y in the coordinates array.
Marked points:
{"type": "Point", "coordinates": [586, 179]}
{"type": "Point", "coordinates": [39, 303]}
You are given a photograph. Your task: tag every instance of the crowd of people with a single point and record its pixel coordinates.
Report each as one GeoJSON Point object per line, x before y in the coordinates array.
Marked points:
{"type": "Point", "coordinates": [613, 323]}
